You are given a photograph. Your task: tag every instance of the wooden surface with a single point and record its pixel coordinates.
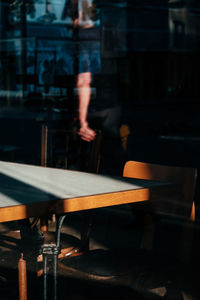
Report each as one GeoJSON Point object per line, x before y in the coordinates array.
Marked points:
{"type": "Point", "coordinates": [27, 191]}
{"type": "Point", "coordinates": [182, 203]}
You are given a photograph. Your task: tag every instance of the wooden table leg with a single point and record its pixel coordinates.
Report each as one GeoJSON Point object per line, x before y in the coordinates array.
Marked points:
{"type": "Point", "coordinates": [22, 277]}
{"type": "Point", "coordinates": [44, 224]}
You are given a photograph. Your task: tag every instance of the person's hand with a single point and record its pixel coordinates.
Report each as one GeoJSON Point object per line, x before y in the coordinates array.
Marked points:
{"type": "Point", "coordinates": [86, 133]}
{"type": "Point", "coordinates": [75, 22]}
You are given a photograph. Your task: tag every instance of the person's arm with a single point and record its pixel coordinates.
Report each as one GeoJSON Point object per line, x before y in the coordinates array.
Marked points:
{"type": "Point", "coordinates": [85, 132]}
{"type": "Point", "coordinates": [84, 95]}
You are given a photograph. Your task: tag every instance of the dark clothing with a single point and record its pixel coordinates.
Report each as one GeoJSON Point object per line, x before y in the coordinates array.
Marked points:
{"type": "Point", "coordinates": [88, 10]}
{"type": "Point", "coordinates": [88, 49]}
{"type": "Point", "coordinates": [106, 92]}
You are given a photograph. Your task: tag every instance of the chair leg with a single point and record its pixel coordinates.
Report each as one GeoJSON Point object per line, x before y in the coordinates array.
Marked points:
{"type": "Point", "coordinates": [148, 233]}
{"type": "Point", "coordinates": [86, 230]}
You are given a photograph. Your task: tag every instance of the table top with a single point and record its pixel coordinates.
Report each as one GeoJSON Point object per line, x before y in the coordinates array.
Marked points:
{"type": "Point", "coordinates": [27, 190]}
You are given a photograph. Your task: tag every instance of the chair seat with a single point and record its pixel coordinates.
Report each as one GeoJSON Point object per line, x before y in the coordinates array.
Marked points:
{"type": "Point", "coordinates": [144, 271]}
{"type": "Point", "coordinates": [97, 263]}
{"type": "Point", "coordinates": [118, 262]}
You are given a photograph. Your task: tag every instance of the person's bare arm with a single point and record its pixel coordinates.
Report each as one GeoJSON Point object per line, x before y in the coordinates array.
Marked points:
{"type": "Point", "coordinates": [84, 95]}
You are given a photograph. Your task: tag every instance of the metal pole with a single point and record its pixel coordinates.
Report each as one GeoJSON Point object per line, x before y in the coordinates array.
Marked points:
{"type": "Point", "coordinates": [55, 265]}
{"type": "Point", "coordinates": [45, 276]}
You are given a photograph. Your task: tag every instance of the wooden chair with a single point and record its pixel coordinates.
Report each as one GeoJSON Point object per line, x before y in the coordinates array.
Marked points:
{"type": "Point", "coordinates": [49, 147]}
{"type": "Point", "coordinates": [127, 268]}
{"type": "Point", "coordinates": [179, 206]}
{"type": "Point", "coordinates": [185, 177]}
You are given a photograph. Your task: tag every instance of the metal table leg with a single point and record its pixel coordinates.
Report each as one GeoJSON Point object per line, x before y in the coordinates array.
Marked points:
{"type": "Point", "coordinates": [51, 251]}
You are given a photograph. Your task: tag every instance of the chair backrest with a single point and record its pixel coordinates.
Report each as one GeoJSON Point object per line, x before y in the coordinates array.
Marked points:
{"type": "Point", "coordinates": [184, 176]}
{"type": "Point", "coordinates": [48, 146]}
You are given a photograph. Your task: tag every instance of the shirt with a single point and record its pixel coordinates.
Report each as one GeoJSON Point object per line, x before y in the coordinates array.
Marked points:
{"type": "Point", "coordinates": [83, 10]}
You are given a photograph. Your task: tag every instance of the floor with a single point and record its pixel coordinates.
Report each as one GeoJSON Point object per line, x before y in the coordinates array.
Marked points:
{"type": "Point", "coordinates": [162, 269]}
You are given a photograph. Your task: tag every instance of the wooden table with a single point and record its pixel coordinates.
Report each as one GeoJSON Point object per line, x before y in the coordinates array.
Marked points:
{"type": "Point", "coordinates": [28, 191]}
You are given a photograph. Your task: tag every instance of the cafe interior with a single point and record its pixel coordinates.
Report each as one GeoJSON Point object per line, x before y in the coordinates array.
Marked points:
{"type": "Point", "coordinates": [115, 214]}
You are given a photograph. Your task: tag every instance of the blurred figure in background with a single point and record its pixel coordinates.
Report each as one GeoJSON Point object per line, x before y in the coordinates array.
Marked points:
{"type": "Point", "coordinates": [98, 107]}
{"type": "Point", "coordinates": [87, 36]}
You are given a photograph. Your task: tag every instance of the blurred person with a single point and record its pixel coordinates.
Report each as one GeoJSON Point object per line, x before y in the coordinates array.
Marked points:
{"type": "Point", "coordinates": [87, 35]}
{"type": "Point", "coordinates": [99, 110]}
{"type": "Point", "coordinates": [103, 110]}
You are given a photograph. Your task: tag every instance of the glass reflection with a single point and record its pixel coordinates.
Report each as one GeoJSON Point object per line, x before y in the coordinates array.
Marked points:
{"type": "Point", "coordinates": [146, 53]}
{"type": "Point", "coordinates": [44, 30]}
